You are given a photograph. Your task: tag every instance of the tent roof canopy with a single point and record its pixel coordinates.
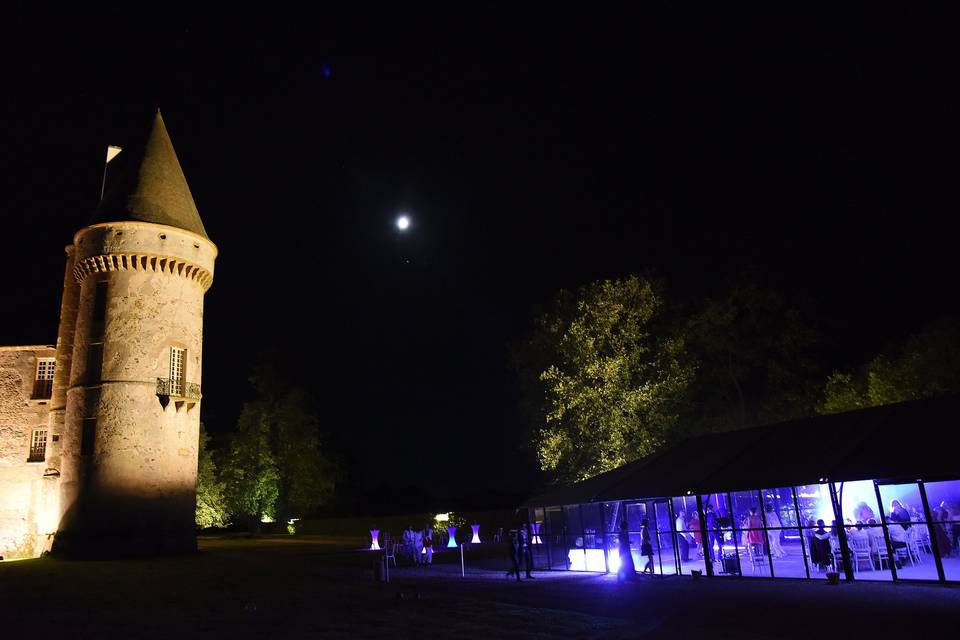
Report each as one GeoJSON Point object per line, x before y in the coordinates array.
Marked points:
{"type": "Point", "coordinates": [913, 439]}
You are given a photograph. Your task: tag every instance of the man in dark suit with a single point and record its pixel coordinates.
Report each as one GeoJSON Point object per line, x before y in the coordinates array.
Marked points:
{"type": "Point", "coordinates": [526, 551]}
{"type": "Point", "coordinates": [713, 532]}
{"type": "Point", "coordinates": [513, 549]}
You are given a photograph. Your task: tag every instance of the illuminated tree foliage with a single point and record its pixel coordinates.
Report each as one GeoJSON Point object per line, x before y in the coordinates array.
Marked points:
{"type": "Point", "coordinates": [250, 476]}
{"type": "Point", "coordinates": [610, 377]}
{"type": "Point", "coordinates": [212, 508]}
{"type": "Point", "coordinates": [923, 366]}
{"type": "Point", "coordinates": [276, 466]}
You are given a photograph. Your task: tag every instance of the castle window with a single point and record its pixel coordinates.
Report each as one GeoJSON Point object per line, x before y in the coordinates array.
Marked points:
{"type": "Point", "coordinates": [43, 385]}
{"type": "Point", "coordinates": [176, 370]}
{"type": "Point", "coordinates": [87, 436]}
{"type": "Point", "coordinates": [38, 446]}
{"type": "Point", "coordinates": [94, 363]}
{"type": "Point", "coordinates": [100, 302]}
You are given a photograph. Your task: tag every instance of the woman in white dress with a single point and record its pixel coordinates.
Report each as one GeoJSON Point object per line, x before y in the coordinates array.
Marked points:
{"type": "Point", "coordinates": [773, 535]}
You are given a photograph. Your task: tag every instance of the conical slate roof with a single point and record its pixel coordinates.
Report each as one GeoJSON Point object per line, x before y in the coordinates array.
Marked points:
{"type": "Point", "coordinates": [146, 183]}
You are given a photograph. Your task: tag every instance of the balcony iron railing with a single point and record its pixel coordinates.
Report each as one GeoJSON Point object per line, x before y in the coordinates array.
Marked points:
{"type": "Point", "coordinates": [42, 389]}
{"type": "Point", "coordinates": [178, 389]}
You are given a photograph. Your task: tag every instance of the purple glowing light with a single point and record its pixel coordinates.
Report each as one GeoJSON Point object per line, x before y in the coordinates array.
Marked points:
{"type": "Point", "coordinates": [613, 559]}
{"type": "Point", "coordinates": [374, 543]}
{"type": "Point", "coordinates": [535, 538]}
{"type": "Point", "coordinates": [590, 560]}
{"type": "Point", "coordinates": [476, 534]}
{"type": "Point", "coordinates": [452, 531]}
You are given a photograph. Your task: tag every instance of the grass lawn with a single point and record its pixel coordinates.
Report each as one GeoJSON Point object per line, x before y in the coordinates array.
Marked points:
{"type": "Point", "coordinates": [311, 586]}
{"type": "Point", "coordinates": [282, 587]}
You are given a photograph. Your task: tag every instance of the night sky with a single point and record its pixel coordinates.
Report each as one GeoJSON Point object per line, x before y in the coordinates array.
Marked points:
{"type": "Point", "coordinates": [821, 148]}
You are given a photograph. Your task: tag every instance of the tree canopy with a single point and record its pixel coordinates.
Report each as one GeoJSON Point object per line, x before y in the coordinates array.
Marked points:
{"type": "Point", "coordinates": [276, 466]}
{"type": "Point", "coordinates": [212, 510]}
{"type": "Point", "coordinates": [612, 372]}
{"type": "Point", "coordinates": [755, 357]}
{"type": "Point", "coordinates": [609, 376]}
{"type": "Point", "coordinates": [922, 366]}
{"type": "Point", "coordinates": [306, 474]}
{"type": "Point", "coordinates": [250, 476]}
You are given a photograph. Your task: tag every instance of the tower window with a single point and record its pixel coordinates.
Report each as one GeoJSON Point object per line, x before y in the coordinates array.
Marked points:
{"type": "Point", "coordinates": [94, 363]}
{"type": "Point", "coordinates": [87, 436]}
{"type": "Point", "coordinates": [43, 385]}
{"type": "Point", "coordinates": [100, 302]}
{"type": "Point", "coordinates": [38, 446]}
{"type": "Point", "coordinates": [176, 370]}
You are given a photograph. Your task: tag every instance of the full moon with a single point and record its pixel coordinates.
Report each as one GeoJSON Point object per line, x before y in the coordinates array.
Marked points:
{"type": "Point", "coordinates": [403, 222]}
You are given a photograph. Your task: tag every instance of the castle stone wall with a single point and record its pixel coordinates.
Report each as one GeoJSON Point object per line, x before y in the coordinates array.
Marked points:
{"type": "Point", "coordinates": [28, 496]}
{"type": "Point", "coordinates": [118, 475]}
{"type": "Point", "coordinates": [135, 493]}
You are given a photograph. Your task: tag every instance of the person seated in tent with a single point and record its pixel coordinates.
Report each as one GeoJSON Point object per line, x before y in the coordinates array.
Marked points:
{"type": "Point", "coordinates": [898, 539]}
{"type": "Point", "coordinates": [857, 533]}
{"type": "Point", "coordinates": [899, 514]}
{"type": "Point", "coordinates": [820, 550]}
{"type": "Point", "coordinates": [863, 512]}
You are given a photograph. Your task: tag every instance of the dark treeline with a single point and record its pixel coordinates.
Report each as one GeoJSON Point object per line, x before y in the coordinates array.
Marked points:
{"type": "Point", "coordinates": [274, 466]}
{"type": "Point", "coordinates": [612, 372]}
{"type": "Point", "coordinates": [618, 369]}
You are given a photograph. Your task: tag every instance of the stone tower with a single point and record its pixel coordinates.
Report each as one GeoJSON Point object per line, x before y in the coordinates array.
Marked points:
{"type": "Point", "coordinates": [127, 387]}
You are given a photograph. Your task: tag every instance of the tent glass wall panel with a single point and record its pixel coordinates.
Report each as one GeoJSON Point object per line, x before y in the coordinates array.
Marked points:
{"type": "Point", "coordinates": [944, 501]}
{"type": "Point", "coordinates": [686, 525]}
{"type": "Point", "coordinates": [784, 541]}
{"type": "Point", "coordinates": [721, 546]}
{"type": "Point", "coordinates": [750, 534]}
{"type": "Point", "coordinates": [865, 537]}
{"type": "Point", "coordinates": [815, 511]}
{"type": "Point", "coordinates": [909, 532]}
{"type": "Point", "coordinates": [593, 537]}
{"type": "Point", "coordinates": [892, 531]}
{"type": "Point", "coordinates": [555, 538]}
{"type": "Point", "coordinates": [663, 540]}
{"type": "Point", "coordinates": [576, 557]}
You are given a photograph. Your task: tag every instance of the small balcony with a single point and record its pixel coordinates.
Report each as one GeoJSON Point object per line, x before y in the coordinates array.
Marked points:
{"type": "Point", "coordinates": [42, 389]}
{"type": "Point", "coordinates": [185, 395]}
{"type": "Point", "coordinates": [178, 389]}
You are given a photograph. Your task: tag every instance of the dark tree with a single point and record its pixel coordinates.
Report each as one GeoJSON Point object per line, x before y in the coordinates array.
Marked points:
{"type": "Point", "coordinates": [276, 466]}
{"type": "Point", "coordinates": [925, 365]}
{"type": "Point", "coordinates": [756, 360]}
